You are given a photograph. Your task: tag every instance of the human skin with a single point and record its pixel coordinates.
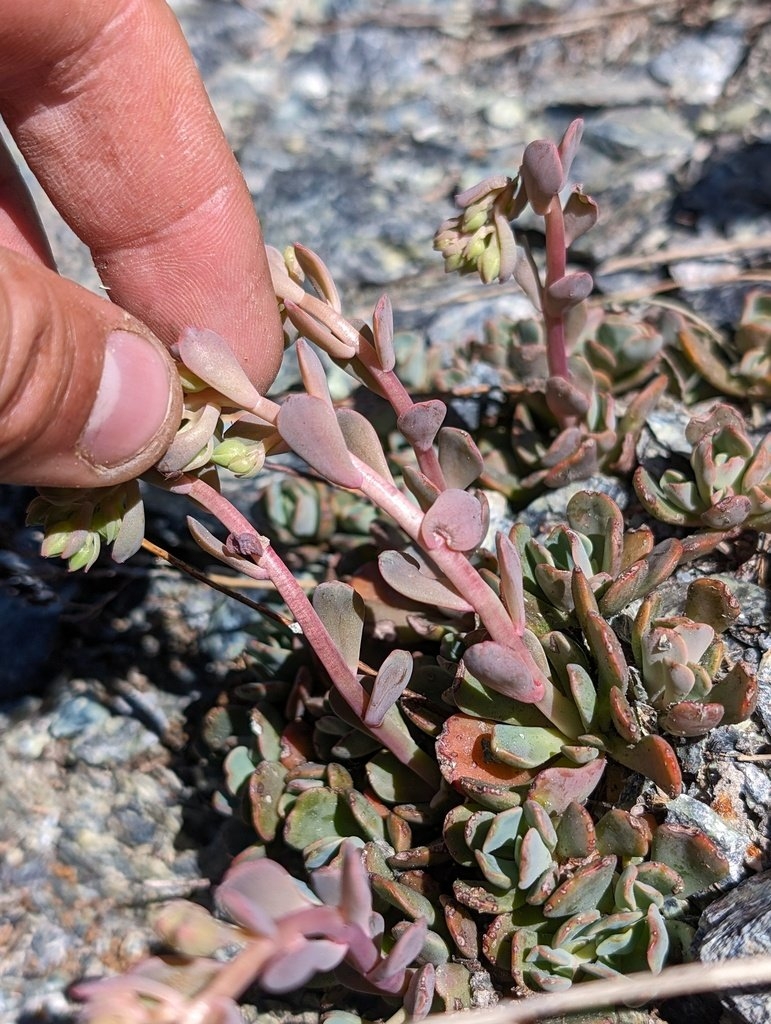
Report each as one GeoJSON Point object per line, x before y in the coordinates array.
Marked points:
{"type": "Point", "coordinates": [104, 100]}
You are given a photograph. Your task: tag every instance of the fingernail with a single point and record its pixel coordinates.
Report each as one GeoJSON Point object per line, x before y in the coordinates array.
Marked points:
{"type": "Point", "coordinates": [132, 401]}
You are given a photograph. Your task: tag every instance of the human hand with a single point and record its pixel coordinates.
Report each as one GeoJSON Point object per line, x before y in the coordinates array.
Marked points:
{"type": "Point", "coordinates": [104, 101]}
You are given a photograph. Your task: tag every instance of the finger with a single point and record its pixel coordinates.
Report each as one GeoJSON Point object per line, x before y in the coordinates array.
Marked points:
{"type": "Point", "coordinates": [88, 397]}
{"type": "Point", "coordinates": [104, 100]}
{"type": "Point", "coordinates": [20, 227]}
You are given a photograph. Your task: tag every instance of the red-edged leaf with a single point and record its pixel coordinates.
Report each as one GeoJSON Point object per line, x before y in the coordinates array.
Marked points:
{"type": "Point", "coordinates": [503, 670]}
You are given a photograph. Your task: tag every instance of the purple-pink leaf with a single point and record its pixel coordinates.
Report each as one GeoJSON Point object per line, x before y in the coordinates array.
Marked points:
{"type": "Point", "coordinates": [569, 144]}
{"type": "Point", "coordinates": [361, 439]}
{"type": "Point", "coordinates": [210, 357]}
{"type": "Point", "coordinates": [421, 422]}
{"type": "Point", "coordinates": [542, 173]}
{"type": "Point", "coordinates": [258, 893]}
{"type": "Point", "coordinates": [355, 892]}
{"type": "Point", "coordinates": [297, 963]}
{"type": "Point", "coordinates": [420, 992]}
{"type": "Point", "coordinates": [405, 949]}
{"type": "Point", "coordinates": [317, 272]}
{"type": "Point", "coordinates": [459, 457]}
{"type": "Point", "coordinates": [383, 333]}
{"type": "Point", "coordinates": [318, 332]}
{"type": "Point", "coordinates": [455, 519]}
{"type": "Point", "coordinates": [390, 682]}
{"type": "Point", "coordinates": [190, 439]}
{"type": "Point", "coordinates": [568, 291]}
{"type": "Point", "coordinates": [312, 372]}
{"type": "Point", "coordinates": [310, 428]}
{"type": "Point", "coordinates": [510, 570]}
{"type": "Point", "coordinates": [342, 611]}
{"type": "Point", "coordinates": [556, 788]}
{"type": "Point", "coordinates": [580, 214]}
{"type": "Point", "coordinates": [503, 670]}
{"type": "Point", "coordinates": [405, 576]}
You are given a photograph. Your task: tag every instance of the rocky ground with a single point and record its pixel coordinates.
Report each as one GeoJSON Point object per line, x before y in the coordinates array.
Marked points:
{"type": "Point", "coordinates": [354, 123]}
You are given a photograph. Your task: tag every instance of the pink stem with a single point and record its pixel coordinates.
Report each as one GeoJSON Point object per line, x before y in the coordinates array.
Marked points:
{"type": "Point", "coordinates": [554, 324]}
{"type": "Point", "coordinates": [399, 742]}
{"type": "Point", "coordinates": [456, 567]}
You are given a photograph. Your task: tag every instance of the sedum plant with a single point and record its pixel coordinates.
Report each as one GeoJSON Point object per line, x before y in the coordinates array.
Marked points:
{"type": "Point", "coordinates": [433, 770]}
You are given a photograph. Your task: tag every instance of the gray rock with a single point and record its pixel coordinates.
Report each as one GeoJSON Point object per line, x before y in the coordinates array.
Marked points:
{"type": "Point", "coordinates": [696, 68]}
{"type": "Point", "coordinates": [737, 925]}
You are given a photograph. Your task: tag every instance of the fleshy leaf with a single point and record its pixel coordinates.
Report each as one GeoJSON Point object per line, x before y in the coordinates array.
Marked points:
{"type": "Point", "coordinates": [556, 788]}
{"type": "Point", "coordinates": [459, 457]}
{"type": "Point", "coordinates": [310, 428]}
{"type": "Point", "coordinates": [421, 422]}
{"type": "Point", "coordinates": [456, 517]}
{"type": "Point", "coordinates": [405, 576]}
{"type": "Point", "coordinates": [342, 611]}
{"type": "Point", "coordinates": [210, 357]}
{"type": "Point", "coordinates": [502, 669]}
{"type": "Point", "coordinates": [383, 333]}
{"type": "Point", "coordinates": [389, 684]}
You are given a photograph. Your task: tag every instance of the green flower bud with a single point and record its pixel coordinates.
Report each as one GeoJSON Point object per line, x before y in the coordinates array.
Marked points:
{"type": "Point", "coordinates": [490, 263]}
{"type": "Point", "coordinates": [241, 457]}
{"type": "Point", "coordinates": [86, 554]}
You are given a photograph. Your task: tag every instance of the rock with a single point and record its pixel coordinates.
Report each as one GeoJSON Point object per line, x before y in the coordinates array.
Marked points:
{"type": "Point", "coordinates": [739, 924]}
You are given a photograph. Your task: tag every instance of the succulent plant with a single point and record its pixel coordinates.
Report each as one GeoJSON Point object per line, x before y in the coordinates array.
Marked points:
{"type": "Point", "coordinates": [282, 933]}
{"type": "Point", "coordinates": [433, 793]}
{"type": "Point", "coordinates": [739, 367]}
{"type": "Point", "coordinates": [75, 523]}
{"type": "Point", "coordinates": [730, 480]}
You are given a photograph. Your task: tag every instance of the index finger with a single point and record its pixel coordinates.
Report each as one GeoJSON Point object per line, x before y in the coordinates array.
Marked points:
{"type": "Point", "coordinates": [104, 100]}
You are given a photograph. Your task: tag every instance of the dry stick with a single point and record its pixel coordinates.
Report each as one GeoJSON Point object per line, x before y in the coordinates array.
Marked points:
{"type": "Point", "coordinates": [719, 247]}
{"type": "Point", "coordinates": [219, 584]}
{"type": "Point", "coordinates": [637, 989]}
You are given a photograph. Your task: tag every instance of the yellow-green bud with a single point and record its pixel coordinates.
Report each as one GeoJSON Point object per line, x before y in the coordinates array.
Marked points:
{"type": "Point", "coordinates": [240, 457]}
{"type": "Point", "coordinates": [490, 263]}
{"type": "Point", "coordinates": [86, 554]}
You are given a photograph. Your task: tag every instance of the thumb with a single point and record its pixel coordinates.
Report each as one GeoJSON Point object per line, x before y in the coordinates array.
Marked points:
{"type": "Point", "coordinates": [88, 396]}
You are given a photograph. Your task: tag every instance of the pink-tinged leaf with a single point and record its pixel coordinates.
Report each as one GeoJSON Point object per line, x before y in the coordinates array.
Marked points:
{"type": "Point", "coordinates": [569, 143]}
{"type": "Point", "coordinates": [658, 940]}
{"type": "Point", "coordinates": [421, 422]}
{"type": "Point", "coordinates": [404, 575]}
{"type": "Point", "coordinates": [212, 546]}
{"type": "Point", "coordinates": [459, 457]}
{"type": "Point", "coordinates": [512, 591]}
{"type": "Point", "coordinates": [390, 682]}
{"type": "Point", "coordinates": [355, 892]}
{"type": "Point", "coordinates": [480, 190]}
{"type": "Point", "coordinates": [568, 291]}
{"type": "Point", "coordinates": [455, 519]}
{"type": "Point", "coordinates": [313, 374]}
{"type": "Point", "coordinates": [190, 439]}
{"type": "Point", "coordinates": [210, 357]}
{"type": "Point", "coordinates": [361, 439]}
{"type": "Point", "coordinates": [297, 963]}
{"type": "Point", "coordinates": [420, 992]}
{"type": "Point", "coordinates": [317, 272]}
{"type": "Point", "coordinates": [404, 951]}
{"type": "Point", "coordinates": [690, 718]}
{"type": "Point", "coordinates": [503, 670]}
{"type": "Point", "coordinates": [525, 272]}
{"type": "Point", "coordinates": [258, 893]}
{"type": "Point", "coordinates": [342, 611]}
{"type": "Point", "coordinates": [542, 173]}
{"type": "Point", "coordinates": [652, 757]}
{"type": "Point", "coordinates": [318, 332]}
{"type": "Point", "coordinates": [556, 788]}
{"type": "Point", "coordinates": [580, 215]}
{"type": "Point", "coordinates": [383, 333]}
{"type": "Point", "coordinates": [309, 426]}
{"type": "Point", "coordinates": [583, 891]}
